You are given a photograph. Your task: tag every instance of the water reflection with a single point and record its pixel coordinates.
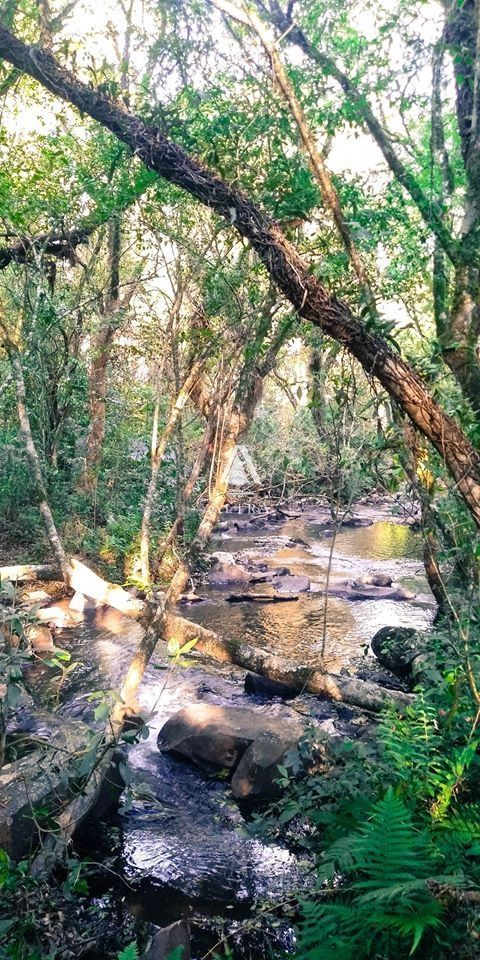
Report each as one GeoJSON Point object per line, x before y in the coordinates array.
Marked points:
{"type": "Point", "coordinates": [300, 630]}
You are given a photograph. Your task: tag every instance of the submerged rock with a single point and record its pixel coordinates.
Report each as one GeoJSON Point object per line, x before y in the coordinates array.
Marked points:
{"type": "Point", "coordinates": [217, 738]}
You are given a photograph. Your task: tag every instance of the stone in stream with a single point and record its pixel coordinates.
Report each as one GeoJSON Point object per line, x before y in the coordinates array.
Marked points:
{"type": "Point", "coordinates": [292, 584]}
{"type": "Point", "coordinates": [217, 738]}
{"type": "Point", "coordinates": [167, 939]}
{"type": "Point", "coordinates": [264, 687]}
{"type": "Point", "coordinates": [224, 574]}
{"type": "Point", "coordinates": [40, 637]}
{"type": "Point", "coordinates": [373, 580]}
{"type": "Point", "coordinates": [351, 590]}
{"type": "Point", "coordinates": [353, 522]}
{"type": "Point", "coordinates": [401, 650]}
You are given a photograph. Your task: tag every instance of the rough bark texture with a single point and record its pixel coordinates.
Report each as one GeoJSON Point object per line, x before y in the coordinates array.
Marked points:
{"type": "Point", "coordinates": [289, 271]}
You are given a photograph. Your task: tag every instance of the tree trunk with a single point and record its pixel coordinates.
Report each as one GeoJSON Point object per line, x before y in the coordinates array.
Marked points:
{"type": "Point", "coordinates": [101, 352]}
{"type": "Point", "coordinates": [97, 393]}
{"type": "Point", "coordinates": [359, 693]}
{"type": "Point", "coordinates": [157, 460]}
{"type": "Point", "coordinates": [312, 301]}
{"type": "Point", "coordinates": [35, 465]}
{"type": "Point", "coordinates": [205, 448]}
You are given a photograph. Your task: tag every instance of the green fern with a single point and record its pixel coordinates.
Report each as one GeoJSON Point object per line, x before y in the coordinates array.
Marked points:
{"type": "Point", "coordinates": [130, 952]}
{"type": "Point", "coordinates": [381, 895]}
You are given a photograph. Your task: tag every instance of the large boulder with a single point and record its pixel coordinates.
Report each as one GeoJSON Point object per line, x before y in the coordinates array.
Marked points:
{"type": "Point", "coordinates": [217, 738]}
{"type": "Point", "coordinates": [401, 650]}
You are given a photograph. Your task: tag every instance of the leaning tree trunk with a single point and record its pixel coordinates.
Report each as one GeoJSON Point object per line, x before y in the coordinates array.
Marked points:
{"type": "Point", "coordinates": [291, 274]}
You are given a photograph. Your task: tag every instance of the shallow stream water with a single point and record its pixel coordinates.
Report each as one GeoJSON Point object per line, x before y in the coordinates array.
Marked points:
{"type": "Point", "coordinates": [182, 847]}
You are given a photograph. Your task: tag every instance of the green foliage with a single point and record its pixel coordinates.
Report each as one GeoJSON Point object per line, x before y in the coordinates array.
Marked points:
{"type": "Point", "coordinates": [385, 901]}
{"type": "Point", "coordinates": [130, 952]}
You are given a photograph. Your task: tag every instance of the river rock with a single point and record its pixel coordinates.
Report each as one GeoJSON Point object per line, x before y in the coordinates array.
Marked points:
{"type": "Point", "coordinates": [40, 637]}
{"type": "Point", "coordinates": [357, 522]}
{"type": "Point", "coordinates": [399, 649]}
{"type": "Point", "coordinates": [351, 590]}
{"type": "Point", "coordinates": [224, 574]}
{"type": "Point", "coordinates": [374, 580]}
{"type": "Point", "coordinates": [39, 779]}
{"type": "Point", "coordinates": [264, 687]}
{"type": "Point", "coordinates": [292, 584]}
{"type": "Point", "coordinates": [217, 738]}
{"type": "Point", "coordinates": [167, 939]}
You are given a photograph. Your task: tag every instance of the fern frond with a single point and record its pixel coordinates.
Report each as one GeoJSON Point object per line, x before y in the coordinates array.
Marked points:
{"type": "Point", "coordinates": [130, 952]}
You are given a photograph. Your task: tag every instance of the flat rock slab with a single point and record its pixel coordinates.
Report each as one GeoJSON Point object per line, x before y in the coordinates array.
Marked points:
{"type": "Point", "coordinates": [292, 584]}
{"type": "Point", "coordinates": [248, 743]}
{"type": "Point", "coordinates": [350, 590]}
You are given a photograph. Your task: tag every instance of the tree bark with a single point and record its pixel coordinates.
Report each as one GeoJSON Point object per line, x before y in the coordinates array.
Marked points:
{"type": "Point", "coordinates": [157, 459]}
{"type": "Point", "coordinates": [291, 274]}
{"type": "Point", "coordinates": [359, 693]}
{"type": "Point", "coordinates": [35, 465]}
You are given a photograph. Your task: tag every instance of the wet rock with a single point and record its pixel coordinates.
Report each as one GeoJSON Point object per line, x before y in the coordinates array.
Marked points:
{"type": "Point", "coordinates": [167, 939]}
{"type": "Point", "coordinates": [217, 738]}
{"type": "Point", "coordinates": [263, 687]}
{"type": "Point", "coordinates": [352, 590]}
{"type": "Point", "coordinates": [39, 779]}
{"type": "Point", "coordinates": [257, 773]}
{"type": "Point", "coordinates": [224, 574]}
{"type": "Point", "coordinates": [261, 597]}
{"type": "Point", "coordinates": [292, 584]}
{"type": "Point", "coordinates": [374, 580]}
{"type": "Point", "coordinates": [398, 649]}
{"type": "Point", "coordinates": [40, 637]}
{"type": "Point", "coordinates": [352, 522]}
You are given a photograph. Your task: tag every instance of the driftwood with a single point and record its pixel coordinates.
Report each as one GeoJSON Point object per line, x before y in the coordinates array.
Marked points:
{"type": "Point", "coordinates": [358, 693]}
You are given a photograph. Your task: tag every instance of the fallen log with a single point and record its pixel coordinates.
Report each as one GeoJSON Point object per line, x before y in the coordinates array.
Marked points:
{"type": "Point", "coordinates": [359, 693]}
{"type": "Point", "coordinates": [260, 597]}
{"type": "Point", "coordinates": [86, 581]}
{"type": "Point", "coordinates": [30, 572]}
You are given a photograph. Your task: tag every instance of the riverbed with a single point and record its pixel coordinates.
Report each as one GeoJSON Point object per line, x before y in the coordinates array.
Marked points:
{"type": "Point", "coordinates": [180, 844]}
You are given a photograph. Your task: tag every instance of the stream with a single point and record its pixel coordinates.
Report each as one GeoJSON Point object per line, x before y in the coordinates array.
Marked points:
{"type": "Point", "coordinates": [181, 846]}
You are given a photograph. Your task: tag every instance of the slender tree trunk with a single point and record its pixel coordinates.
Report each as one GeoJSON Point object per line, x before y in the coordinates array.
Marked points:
{"type": "Point", "coordinates": [101, 352]}
{"type": "Point", "coordinates": [97, 394]}
{"type": "Point", "coordinates": [35, 465]}
{"type": "Point", "coordinates": [291, 274]}
{"type": "Point", "coordinates": [157, 459]}
{"type": "Point", "coordinates": [205, 448]}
